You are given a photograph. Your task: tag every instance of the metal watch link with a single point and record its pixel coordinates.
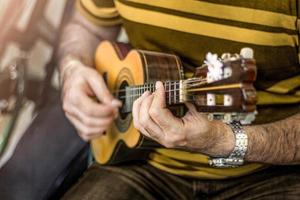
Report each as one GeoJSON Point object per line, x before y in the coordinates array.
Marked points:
{"type": "Point", "coordinates": [236, 158]}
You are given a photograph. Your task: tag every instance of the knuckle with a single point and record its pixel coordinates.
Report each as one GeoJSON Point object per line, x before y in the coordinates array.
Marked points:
{"type": "Point", "coordinates": [136, 103]}
{"type": "Point", "coordinates": [87, 110]}
{"type": "Point", "coordinates": [168, 144]}
{"type": "Point", "coordinates": [136, 125]}
{"type": "Point", "coordinates": [86, 121]}
{"type": "Point", "coordinates": [170, 138]}
{"type": "Point", "coordinates": [85, 138]}
{"type": "Point", "coordinates": [176, 139]}
{"type": "Point", "coordinates": [154, 112]}
{"type": "Point", "coordinates": [71, 96]}
{"type": "Point", "coordinates": [85, 131]}
{"type": "Point", "coordinates": [106, 122]}
{"type": "Point", "coordinates": [65, 106]}
{"type": "Point", "coordinates": [144, 120]}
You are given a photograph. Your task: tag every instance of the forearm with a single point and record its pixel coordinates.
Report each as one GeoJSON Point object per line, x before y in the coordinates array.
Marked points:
{"type": "Point", "coordinates": [77, 43]}
{"type": "Point", "coordinates": [275, 143]}
{"type": "Point", "coordinates": [80, 39]}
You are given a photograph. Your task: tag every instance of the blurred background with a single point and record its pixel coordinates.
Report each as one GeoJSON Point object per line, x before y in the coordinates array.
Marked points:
{"type": "Point", "coordinates": [29, 36]}
{"type": "Point", "coordinates": [30, 28]}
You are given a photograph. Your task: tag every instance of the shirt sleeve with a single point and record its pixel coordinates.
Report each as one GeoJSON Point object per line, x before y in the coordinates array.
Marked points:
{"type": "Point", "coordinates": [99, 12]}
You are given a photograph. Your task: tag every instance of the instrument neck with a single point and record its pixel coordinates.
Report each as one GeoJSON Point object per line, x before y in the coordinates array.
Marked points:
{"type": "Point", "coordinates": [172, 92]}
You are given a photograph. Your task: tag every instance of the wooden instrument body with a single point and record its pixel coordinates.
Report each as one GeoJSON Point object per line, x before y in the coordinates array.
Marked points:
{"type": "Point", "coordinates": [123, 68]}
{"type": "Point", "coordinates": [137, 68]}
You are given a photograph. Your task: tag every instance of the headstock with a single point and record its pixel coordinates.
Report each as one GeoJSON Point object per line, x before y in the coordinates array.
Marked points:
{"type": "Point", "coordinates": [223, 87]}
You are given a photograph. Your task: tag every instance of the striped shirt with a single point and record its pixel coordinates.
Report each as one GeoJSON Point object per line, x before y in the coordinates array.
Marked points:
{"type": "Point", "coordinates": [191, 28]}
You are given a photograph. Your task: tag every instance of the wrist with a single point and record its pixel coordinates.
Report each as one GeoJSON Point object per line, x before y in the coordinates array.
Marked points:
{"type": "Point", "coordinates": [237, 156]}
{"type": "Point", "coordinates": [229, 140]}
{"type": "Point", "coordinates": [67, 66]}
{"type": "Point", "coordinates": [223, 141]}
{"type": "Point", "coordinates": [226, 140]}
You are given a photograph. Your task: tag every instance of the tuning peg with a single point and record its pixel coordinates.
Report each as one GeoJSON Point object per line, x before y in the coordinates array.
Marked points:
{"type": "Point", "coordinates": [247, 52]}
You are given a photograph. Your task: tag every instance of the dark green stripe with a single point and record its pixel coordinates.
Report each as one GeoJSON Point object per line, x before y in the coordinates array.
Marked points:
{"type": "Point", "coordinates": [274, 63]}
{"type": "Point", "coordinates": [288, 7]}
{"type": "Point", "coordinates": [97, 17]}
{"type": "Point", "coordinates": [251, 26]}
{"type": "Point", "coordinates": [104, 3]}
{"type": "Point", "coordinates": [267, 114]}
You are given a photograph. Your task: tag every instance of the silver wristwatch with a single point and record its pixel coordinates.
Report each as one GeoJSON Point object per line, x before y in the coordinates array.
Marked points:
{"type": "Point", "coordinates": [236, 158]}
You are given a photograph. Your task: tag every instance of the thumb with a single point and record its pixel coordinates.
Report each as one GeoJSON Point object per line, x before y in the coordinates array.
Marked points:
{"type": "Point", "coordinates": [99, 87]}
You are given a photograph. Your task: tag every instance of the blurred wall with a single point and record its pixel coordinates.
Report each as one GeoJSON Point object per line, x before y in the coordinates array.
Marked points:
{"type": "Point", "coordinates": [30, 27]}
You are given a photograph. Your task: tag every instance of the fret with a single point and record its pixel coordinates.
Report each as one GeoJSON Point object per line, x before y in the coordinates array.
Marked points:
{"type": "Point", "coordinates": [170, 93]}
{"type": "Point", "coordinates": [174, 98]}
{"type": "Point", "coordinates": [139, 89]}
{"type": "Point", "coordinates": [178, 92]}
{"type": "Point", "coordinates": [134, 92]}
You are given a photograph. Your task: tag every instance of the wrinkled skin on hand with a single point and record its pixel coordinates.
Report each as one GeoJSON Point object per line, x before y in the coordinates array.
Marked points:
{"type": "Point", "coordinates": [192, 132]}
{"type": "Point", "coordinates": [87, 102]}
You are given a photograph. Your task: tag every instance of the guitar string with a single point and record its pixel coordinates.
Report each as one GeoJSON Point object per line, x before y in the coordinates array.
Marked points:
{"type": "Point", "coordinates": [176, 90]}
{"type": "Point", "coordinates": [151, 86]}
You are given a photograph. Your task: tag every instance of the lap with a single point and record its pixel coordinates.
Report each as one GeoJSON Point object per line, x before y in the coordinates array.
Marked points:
{"type": "Point", "coordinates": [44, 152]}
{"type": "Point", "coordinates": [276, 182]}
{"type": "Point", "coordinates": [132, 181]}
{"type": "Point", "coordinates": [141, 181]}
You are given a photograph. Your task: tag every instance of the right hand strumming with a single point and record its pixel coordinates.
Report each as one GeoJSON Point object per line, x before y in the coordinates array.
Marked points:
{"type": "Point", "coordinates": [81, 86]}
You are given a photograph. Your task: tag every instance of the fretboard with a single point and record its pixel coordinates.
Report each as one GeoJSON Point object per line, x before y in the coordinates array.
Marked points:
{"type": "Point", "coordinates": [172, 91]}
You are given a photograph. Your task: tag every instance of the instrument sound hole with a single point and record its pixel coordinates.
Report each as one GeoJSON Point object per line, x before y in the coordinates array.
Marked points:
{"type": "Point", "coordinates": [122, 97]}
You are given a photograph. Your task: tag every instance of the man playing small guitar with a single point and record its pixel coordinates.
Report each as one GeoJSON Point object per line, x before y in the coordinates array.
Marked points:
{"type": "Point", "coordinates": [200, 158]}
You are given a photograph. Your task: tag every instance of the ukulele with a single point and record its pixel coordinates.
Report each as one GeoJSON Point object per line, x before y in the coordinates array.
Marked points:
{"type": "Point", "coordinates": [221, 87]}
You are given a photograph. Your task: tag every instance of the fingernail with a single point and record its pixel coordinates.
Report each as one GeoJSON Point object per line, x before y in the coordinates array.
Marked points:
{"type": "Point", "coordinates": [116, 115]}
{"type": "Point", "coordinates": [116, 102]}
{"type": "Point", "coordinates": [146, 93]}
{"type": "Point", "coordinates": [157, 84]}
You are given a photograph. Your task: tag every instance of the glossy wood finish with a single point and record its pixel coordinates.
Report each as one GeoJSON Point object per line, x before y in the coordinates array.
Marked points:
{"type": "Point", "coordinates": [130, 73]}
{"type": "Point", "coordinates": [136, 68]}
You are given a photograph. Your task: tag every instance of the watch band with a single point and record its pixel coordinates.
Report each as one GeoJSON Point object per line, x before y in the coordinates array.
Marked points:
{"type": "Point", "coordinates": [236, 158]}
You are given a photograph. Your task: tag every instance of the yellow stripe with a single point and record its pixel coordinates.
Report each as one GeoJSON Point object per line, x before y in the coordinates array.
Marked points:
{"type": "Point", "coordinates": [183, 172]}
{"type": "Point", "coordinates": [285, 86]}
{"type": "Point", "coordinates": [234, 13]}
{"type": "Point", "coordinates": [99, 12]}
{"type": "Point", "coordinates": [179, 155]}
{"type": "Point", "coordinates": [164, 162]}
{"type": "Point", "coordinates": [266, 98]}
{"type": "Point", "coordinates": [205, 28]}
{"type": "Point", "coordinates": [97, 21]}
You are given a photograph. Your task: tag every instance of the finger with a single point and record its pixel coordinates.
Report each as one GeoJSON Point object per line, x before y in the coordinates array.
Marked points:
{"type": "Point", "coordinates": [92, 108]}
{"type": "Point", "coordinates": [83, 128]}
{"type": "Point", "coordinates": [194, 112]}
{"type": "Point", "coordinates": [191, 107]}
{"type": "Point", "coordinates": [136, 109]}
{"type": "Point", "coordinates": [99, 87]}
{"type": "Point", "coordinates": [153, 130]}
{"type": "Point", "coordinates": [158, 111]}
{"type": "Point", "coordinates": [145, 132]}
{"type": "Point", "coordinates": [90, 121]}
{"type": "Point", "coordinates": [84, 132]}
